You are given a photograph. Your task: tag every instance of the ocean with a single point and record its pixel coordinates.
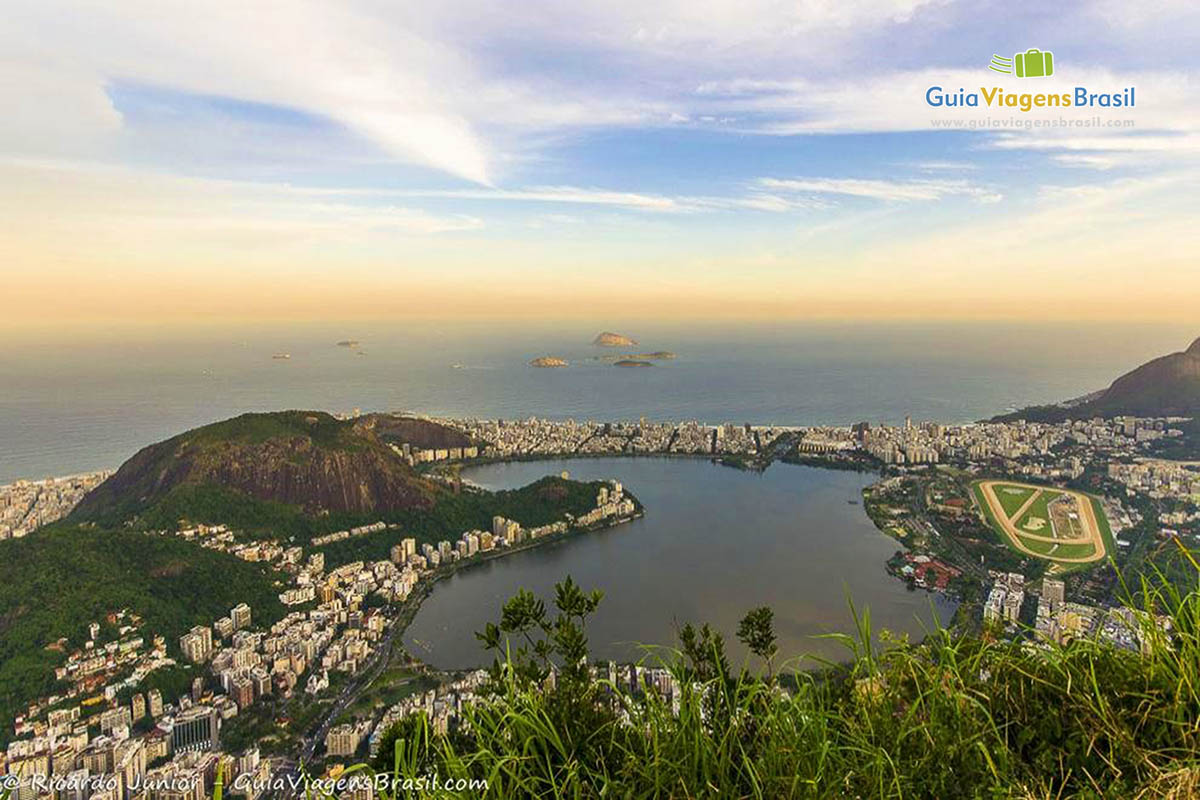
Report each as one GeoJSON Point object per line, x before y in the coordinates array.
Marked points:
{"type": "Point", "coordinates": [84, 399]}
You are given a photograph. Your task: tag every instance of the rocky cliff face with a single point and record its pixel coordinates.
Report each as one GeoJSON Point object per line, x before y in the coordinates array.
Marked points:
{"type": "Point", "coordinates": [299, 473]}
{"type": "Point", "coordinates": [304, 459]}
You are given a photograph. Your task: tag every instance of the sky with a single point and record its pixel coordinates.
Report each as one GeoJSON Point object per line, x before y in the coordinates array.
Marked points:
{"type": "Point", "coordinates": [748, 159]}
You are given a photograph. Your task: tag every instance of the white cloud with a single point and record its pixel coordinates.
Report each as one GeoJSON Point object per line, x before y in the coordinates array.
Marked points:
{"type": "Point", "coordinates": [379, 80]}
{"type": "Point", "coordinates": [102, 209]}
{"type": "Point", "coordinates": [468, 87]}
{"type": "Point", "coordinates": [1088, 161]}
{"type": "Point", "coordinates": [1159, 16]}
{"type": "Point", "coordinates": [754, 198]}
{"type": "Point", "coordinates": [572, 195]}
{"type": "Point", "coordinates": [1065, 231]}
{"type": "Point", "coordinates": [944, 166]}
{"type": "Point", "coordinates": [687, 31]}
{"type": "Point", "coordinates": [889, 190]}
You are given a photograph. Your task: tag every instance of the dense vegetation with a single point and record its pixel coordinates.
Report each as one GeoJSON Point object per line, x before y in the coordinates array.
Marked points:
{"type": "Point", "coordinates": [539, 503]}
{"type": "Point", "coordinates": [1184, 448]}
{"type": "Point", "coordinates": [953, 716]}
{"type": "Point", "coordinates": [56, 581]}
{"type": "Point", "coordinates": [108, 555]}
{"type": "Point", "coordinates": [322, 428]}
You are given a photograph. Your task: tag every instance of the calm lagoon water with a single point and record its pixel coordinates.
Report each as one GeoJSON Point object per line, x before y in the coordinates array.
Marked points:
{"type": "Point", "coordinates": [714, 543]}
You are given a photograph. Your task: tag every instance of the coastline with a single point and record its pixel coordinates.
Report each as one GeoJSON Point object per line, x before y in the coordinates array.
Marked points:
{"type": "Point", "coordinates": [425, 587]}
{"type": "Point", "coordinates": [407, 609]}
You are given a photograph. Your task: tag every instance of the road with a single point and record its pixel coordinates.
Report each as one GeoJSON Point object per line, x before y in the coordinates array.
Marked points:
{"type": "Point", "coordinates": [348, 695]}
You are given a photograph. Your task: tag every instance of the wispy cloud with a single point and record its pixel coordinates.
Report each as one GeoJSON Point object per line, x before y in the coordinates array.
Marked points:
{"type": "Point", "coordinates": [1089, 160]}
{"type": "Point", "coordinates": [892, 191]}
{"type": "Point", "coordinates": [81, 207]}
{"type": "Point", "coordinates": [944, 166]}
{"type": "Point", "coordinates": [753, 198]}
{"type": "Point", "coordinates": [409, 136]}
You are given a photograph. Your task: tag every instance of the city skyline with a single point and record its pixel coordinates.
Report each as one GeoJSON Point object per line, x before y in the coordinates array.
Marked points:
{"type": "Point", "coordinates": [734, 162]}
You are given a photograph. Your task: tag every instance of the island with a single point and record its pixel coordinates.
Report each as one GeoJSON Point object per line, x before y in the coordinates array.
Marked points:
{"type": "Point", "coordinates": [632, 362]}
{"type": "Point", "coordinates": [610, 339]}
{"type": "Point", "coordinates": [658, 355]}
{"type": "Point", "coordinates": [548, 362]}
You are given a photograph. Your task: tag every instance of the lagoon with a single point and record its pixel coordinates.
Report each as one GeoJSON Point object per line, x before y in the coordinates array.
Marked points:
{"type": "Point", "coordinates": [715, 542]}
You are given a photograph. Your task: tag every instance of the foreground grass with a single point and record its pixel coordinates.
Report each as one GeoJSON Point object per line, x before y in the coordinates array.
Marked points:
{"type": "Point", "coordinates": [950, 717]}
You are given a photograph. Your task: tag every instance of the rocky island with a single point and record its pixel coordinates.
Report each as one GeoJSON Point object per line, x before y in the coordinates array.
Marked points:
{"type": "Point", "coordinates": [632, 362]}
{"type": "Point", "coordinates": [548, 362]}
{"type": "Point", "coordinates": [658, 355]}
{"type": "Point", "coordinates": [610, 339]}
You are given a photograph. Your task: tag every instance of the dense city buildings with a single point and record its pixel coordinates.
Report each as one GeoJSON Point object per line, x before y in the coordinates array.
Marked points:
{"type": "Point", "coordinates": [27, 505]}
{"type": "Point", "coordinates": [88, 735]}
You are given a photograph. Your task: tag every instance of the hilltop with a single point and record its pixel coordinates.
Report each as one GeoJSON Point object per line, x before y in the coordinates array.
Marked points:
{"type": "Point", "coordinates": [307, 459]}
{"type": "Point", "coordinates": [1168, 386]}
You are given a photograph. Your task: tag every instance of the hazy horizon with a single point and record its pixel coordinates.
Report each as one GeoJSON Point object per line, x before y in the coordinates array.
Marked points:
{"type": "Point", "coordinates": [89, 396]}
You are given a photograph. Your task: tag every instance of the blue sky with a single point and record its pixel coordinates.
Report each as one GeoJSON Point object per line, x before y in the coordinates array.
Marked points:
{"type": "Point", "coordinates": [740, 157]}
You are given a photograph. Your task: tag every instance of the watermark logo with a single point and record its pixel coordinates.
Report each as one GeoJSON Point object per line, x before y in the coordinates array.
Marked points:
{"type": "Point", "coordinates": [1033, 63]}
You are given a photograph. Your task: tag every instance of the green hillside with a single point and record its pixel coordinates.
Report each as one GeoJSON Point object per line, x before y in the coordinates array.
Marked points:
{"type": "Point", "coordinates": [257, 474]}
{"type": "Point", "coordinates": [56, 581]}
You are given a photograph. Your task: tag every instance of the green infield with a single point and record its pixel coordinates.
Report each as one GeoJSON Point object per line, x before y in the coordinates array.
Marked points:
{"type": "Point", "coordinates": [1036, 518]}
{"type": "Point", "coordinates": [1012, 497]}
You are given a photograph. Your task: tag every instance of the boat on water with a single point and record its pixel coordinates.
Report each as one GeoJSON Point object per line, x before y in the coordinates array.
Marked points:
{"type": "Point", "coordinates": [281, 356]}
{"type": "Point", "coordinates": [852, 502]}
